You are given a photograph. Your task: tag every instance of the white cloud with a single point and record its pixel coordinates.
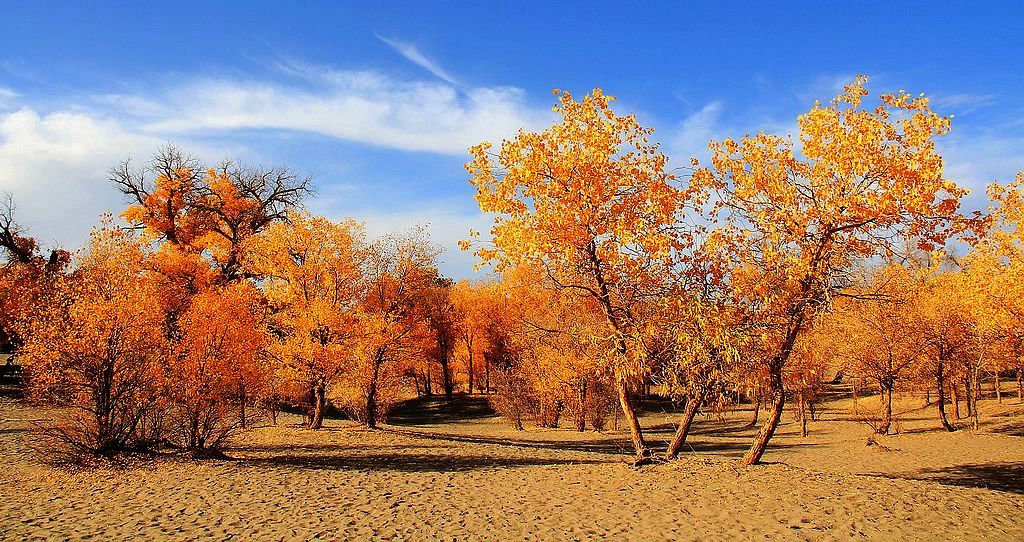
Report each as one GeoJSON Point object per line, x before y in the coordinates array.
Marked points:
{"type": "Point", "coordinates": [959, 104]}
{"type": "Point", "coordinates": [691, 137]}
{"type": "Point", "coordinates": [56, 165]}
{"type": "Point", "coordinates": [412, 54]}
{"type": "Point", "coordinates": [7, 97]}
{"type": "Point", "coordinates": [974, 160]}
{"type": "Point", "coordinates": [365, 107]}
{"type": "Point", "coordinates": [447, 221]}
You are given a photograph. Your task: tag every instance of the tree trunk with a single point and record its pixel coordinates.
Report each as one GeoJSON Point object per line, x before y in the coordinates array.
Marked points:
{"type": "Point", "coordinates": [693, 404]}
{"type": "Point", "coordinates": [635, 432]}
{"type": "Point", "coordinates": [470, 371]}
{"type": "Point", "coordinates": [371, 394]}
{"type": "Point", "coordinates": [316, 419]}
{"type": "Point", "coordinates": [757, 412]}
{"type": "Point", "coordinates": [999, 391]}
{"type": "Point", "coordinates": [581, 413]}
{"type": "Point", "coordinates": [1020, 386]}
{"type": "Point", "coordinates": [487, 377]}
{"type": "Point", "coordinates": [956, 400]}
{"type": "Point", "coordinates": [975, 394]}
{"type": "Point", "coordinates": [883, 428]}
{"type": "Point", "coordinates": [941, 399]}
{"type": "Point", "coordinates": [968, 393]}
{"type": "Point", "coordinates": [446, 377]}
{"type": "Point", "coordinates": [803, 415]}
{"type": "Point", "coordinates": [778, 398]}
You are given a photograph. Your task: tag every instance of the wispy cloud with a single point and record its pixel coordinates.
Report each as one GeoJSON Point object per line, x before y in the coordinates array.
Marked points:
{"type": "Point", "coordinates": [56, 158]}
{"type": "Point", "coordinates": [412, 54]}
{"type": "Point", "coordinates": [362, 106]}
{"type": "Point", "coordinates": [7, 97]}
{"type": "Point", "coordinates": [961, 103]}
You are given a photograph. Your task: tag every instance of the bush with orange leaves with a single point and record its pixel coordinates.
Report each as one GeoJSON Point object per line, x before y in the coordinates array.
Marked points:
{"type": "Point", "coordinates": [96, 349]}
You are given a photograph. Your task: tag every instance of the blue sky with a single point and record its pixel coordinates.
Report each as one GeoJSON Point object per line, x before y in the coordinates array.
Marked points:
{"type": "Point", "coordinates": [378, 102]}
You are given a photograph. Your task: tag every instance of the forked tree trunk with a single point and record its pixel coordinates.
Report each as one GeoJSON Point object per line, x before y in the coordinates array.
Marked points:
{"type": "Point", "coordinates": [629, 413]}
{"type": "Point", "coordinates": [316, 419]}
{"type": "Point", "coordinates": [883, 428]}
{"type": "Point", "coordinates": [693, 405]}
{"type": "Point", "coordinates": [371, 394]}
{"type": "Point", "coordinates": [778, 403]}
{"type": "Point", "coordinates": [941, 399]}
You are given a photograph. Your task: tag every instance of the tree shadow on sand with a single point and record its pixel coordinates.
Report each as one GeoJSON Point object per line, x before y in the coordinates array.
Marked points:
{"type": "Point", "coordinates": [619, 446]}
{"type": "Point", "coordinates": [390, 462]}
{"type": "Point", "coordinates": [1007, 477]}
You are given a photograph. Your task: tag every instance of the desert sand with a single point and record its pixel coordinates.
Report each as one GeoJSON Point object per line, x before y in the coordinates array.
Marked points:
{"type": "Point", "coordinates": [474, 478]}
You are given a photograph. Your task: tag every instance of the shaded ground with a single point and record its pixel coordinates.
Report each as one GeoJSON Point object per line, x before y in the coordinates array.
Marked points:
{"type": "Point", "coordinates": [424, 477]}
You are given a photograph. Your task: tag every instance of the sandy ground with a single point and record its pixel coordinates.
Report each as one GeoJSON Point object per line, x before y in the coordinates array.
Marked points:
{"type": "Point", "coordinates": [479, 480]}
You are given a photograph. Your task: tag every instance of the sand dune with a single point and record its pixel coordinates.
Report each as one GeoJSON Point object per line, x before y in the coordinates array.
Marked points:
{"type": "Point", "coordinates": [478, 480]}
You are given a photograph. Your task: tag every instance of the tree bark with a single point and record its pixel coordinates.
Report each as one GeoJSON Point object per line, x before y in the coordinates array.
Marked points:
{"type": "Point", "coordinates": [941, 399]}
{"type": "Point", "coordinates": [883, 428]}
{"type": "Point", "coordinates": [757, 412]}
{"type": "Point", "coordinates": [371, 394]}
{"type": "Point", "coordinates": [470, 371]}
{"type": "Point", "coordinates": [803, 415]}
{"type": "Point", "coordinates": [446, 376]}
{"type": "Point", "coordinates": [693, 405]}
{"type": "Point", "coordinates": [956, 400]}
{"type": "Point", "coordinates": [581, 413]}
{"type": "Point", "coordinates": [999, 391]}
{"type": "Point", "coordinates": [635, 433]}
{"type": "Point", "coordinates": [778, 399]}
{"type": "Point", "coordinates": [316, 419]}
{"type": "Point", "coordinates": [1020, 386]}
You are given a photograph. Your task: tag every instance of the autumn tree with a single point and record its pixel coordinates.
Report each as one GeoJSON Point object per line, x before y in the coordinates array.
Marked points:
{"type": "Point", "coordinates": [399, 273]}
{"type": "Point", "coordinates": [219, 359]}
{"type": "Point", "coordinates": [699, 352]}
{"type": "Point", "coordinates": [26, 276]}
{"type": "Point", "coordinates": [212, 210]}
{"type": "Point", "coordinates": [97, 347]}
{"type": "Point", "coordinates": [444, 323]}
{"type": "Point", "coordinates": [589, 202]}
{"type": "Point", "coordinates": [791, 221]}
{"type": "Point", "coordinates": [875, 335]}
{"type": "Point", "coordinates": [996, 260]}
{"type": "Point", "coordinates": [311, 272]}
